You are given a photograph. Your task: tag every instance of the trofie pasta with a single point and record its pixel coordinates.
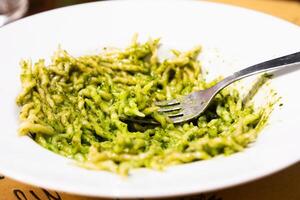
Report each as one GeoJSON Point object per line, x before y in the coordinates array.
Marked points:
{"type": "Point", "coordinates": [77, 107]}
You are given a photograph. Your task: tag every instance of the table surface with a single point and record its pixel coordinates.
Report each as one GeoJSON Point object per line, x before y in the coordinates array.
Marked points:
{"type": "Point", "coordinates": [283, 185]}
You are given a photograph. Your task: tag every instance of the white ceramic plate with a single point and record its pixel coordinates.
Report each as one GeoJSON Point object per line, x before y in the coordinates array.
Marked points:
{"type": "Point", "coordinates": [232, 38]}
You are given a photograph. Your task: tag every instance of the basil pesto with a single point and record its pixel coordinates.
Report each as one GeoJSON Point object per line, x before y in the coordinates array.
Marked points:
{"type": "Point", "coordinates": [75, 105]}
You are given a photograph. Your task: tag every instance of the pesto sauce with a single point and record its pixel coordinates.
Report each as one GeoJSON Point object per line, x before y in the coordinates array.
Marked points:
{"type": "Point", "coordinates": [74, 107]}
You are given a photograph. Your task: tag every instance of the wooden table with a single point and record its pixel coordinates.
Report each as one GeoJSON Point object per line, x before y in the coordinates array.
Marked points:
{"type": "Point", "coordinates": [285, 9]}
{"type": "Point", "coordinates": [284, 185]}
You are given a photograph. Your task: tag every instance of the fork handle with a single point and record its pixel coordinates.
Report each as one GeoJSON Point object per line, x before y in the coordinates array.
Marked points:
{"type": "Point", "coordinates": [274, 64]}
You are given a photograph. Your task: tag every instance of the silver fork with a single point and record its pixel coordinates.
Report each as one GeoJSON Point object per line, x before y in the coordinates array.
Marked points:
{"type": "Point", "coordinates": [191, 106]}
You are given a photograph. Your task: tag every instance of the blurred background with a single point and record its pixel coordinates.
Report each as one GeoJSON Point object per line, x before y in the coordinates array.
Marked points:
{"type": "Point", "coordinates": [36, 6]}
{"type": "Point", "coordinates": [286, 9]}
{"type": "Point", "coordinates": [11, 10]}
{"type": "Point", "coordinates": [42, 5]}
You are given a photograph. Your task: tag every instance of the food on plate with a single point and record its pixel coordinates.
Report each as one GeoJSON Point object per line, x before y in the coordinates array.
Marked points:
{"type": "Point", "coordinates": [76, 106]}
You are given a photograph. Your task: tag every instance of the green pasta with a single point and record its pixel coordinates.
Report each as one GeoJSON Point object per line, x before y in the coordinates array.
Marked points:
{"type": "Point", "coordinates": [78, 106]}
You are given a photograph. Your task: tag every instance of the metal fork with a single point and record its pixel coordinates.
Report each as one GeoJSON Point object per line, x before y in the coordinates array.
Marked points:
{"type": "Point", "coordinates": [191, 106]}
